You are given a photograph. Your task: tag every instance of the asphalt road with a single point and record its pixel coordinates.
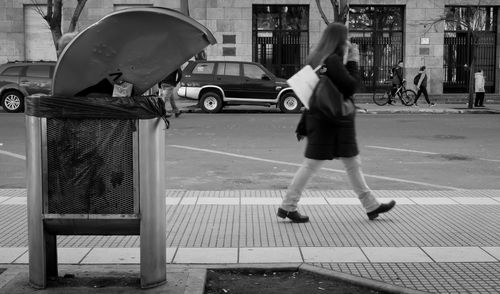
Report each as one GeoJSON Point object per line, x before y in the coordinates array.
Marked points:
{"type": "Point", "coordinates": [259, 151]}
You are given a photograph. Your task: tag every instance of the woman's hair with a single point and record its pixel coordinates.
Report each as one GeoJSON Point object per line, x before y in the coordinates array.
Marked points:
{"type": "Point", "coordinates": [332, 41]}
{"type": "Point", "coordinates": [64, 41]}
{"type": "Point", "coordinates": [422, 67]}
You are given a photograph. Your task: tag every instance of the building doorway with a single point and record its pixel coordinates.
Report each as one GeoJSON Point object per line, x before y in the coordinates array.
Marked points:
{"type": "Point", "coordinates": [458, 52]}
{"type": "Point", "coordinates": [280, 37]}
{"type": "Point", "coordinates": [378, 31]}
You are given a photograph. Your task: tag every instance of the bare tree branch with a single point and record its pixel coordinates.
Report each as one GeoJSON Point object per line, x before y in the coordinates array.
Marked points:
{"type": "Point", "coordinates": [76, 14]}
{"type": "Point", "coordinates": [38, 8]}
{"type": "Point", "coordinates": [321, 12]}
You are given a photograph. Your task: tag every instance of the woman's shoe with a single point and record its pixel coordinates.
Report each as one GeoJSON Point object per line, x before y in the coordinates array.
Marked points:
{"type": "Point", "coordinates": [384, 207]}
{"type": "Point", "coordinates": [294, 216]}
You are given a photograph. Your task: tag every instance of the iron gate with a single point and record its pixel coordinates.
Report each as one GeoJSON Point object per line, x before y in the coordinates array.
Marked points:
{"type": "Point", "coordinates": [457, 58]}
{"type": "Point", "coordinates": [378, 31]}
{"type": "Point", "coordinates": [280, 37]}
{"type": "Point", "coordinates": [459, 43]}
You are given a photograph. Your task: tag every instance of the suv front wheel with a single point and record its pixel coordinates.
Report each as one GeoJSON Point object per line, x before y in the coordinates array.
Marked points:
{"type": "Point", "coordinates": [289, 103]}
{"type": "Point", "coordinates": [13, 101]}
{"type": "Point", "coordinates": [211, 102]}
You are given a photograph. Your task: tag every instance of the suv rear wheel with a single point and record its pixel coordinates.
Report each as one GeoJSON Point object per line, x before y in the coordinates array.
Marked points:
{"type": "Point", "coordinates": [211, 102]}
{"type": "Point", "coordinates": [13, 101]}
{"type": "Point", "coordinates": [289, 103]}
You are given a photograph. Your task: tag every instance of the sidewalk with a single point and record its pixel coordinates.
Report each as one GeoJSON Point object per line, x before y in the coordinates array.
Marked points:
{"type": "Point", "coordinates": [443, 241]}
{"type": "Point", "coordinates": [187, 105]}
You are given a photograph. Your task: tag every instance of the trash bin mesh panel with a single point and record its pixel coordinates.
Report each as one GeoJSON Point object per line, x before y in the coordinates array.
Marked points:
{"type": "Point", "coordinates": [90, 166]}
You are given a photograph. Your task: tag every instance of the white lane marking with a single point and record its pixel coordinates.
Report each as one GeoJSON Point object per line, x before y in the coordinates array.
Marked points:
{"type": "Point", "coordinates": [492, 160]}
{"type": "Point", "coordinates": [403, 150]}
{"type": "Point", "coordinates": [421, 152]}
{"type": "Point", "coordinates": [327, 169]}
{"type": "Point", "coordinates": [13, 154]}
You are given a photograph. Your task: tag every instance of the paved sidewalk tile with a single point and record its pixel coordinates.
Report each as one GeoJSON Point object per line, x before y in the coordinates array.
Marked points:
{"type": "Point", "coordinates": [64, 255]}
{"type": "Point", "coordinates": [333, 254]}
{"type": "Point", "coordinates": [399, 200]}
{"type": "Point", "coordinates": [313, 201]}
{"type": "Point", "coordinates": [172, 200]}
{"type": "Point", "coordinates": [458, 254]}
{"type": "Point", "coordinates": [343, 201]}
{"type": "Point", "coordinates": [495, 251]}
{"type": "Point", "coordinates": [218, 201]}
{"type": "Point", "coordinates": [9, 254]}
{"type": "Point", "coordinates": [206, 255]}
{"type": "Point", "coordinates": [189, 200]}
{"type": "Point", "coordinates": [15, 201]}
{"type": "Point", "coordinates": [113, 255]}
{"type": "Point", "coordinates": [433, 201]}
{"type": "Point", "coordinates": [395, 254]}
{"type": "Point", "coordinates": [475, 201]}
{"type": "Point", "coordinates": [270, 255]}
{"type": "Point", "coordinates": [260, 201]}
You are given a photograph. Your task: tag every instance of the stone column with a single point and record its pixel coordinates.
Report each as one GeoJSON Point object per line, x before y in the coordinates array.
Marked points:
{"type": "Point", "coordinates": [424, 46]}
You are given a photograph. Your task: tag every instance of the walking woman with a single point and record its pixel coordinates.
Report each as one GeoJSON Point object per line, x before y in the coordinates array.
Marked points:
{"type": "Point", "coordinates": [327, 140]}
{"type": "Point", "coordinates": [420, 82]}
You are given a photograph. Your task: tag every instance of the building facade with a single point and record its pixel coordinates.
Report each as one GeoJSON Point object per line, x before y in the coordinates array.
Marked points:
{"type": "Point", "coordinates": [280, 33]}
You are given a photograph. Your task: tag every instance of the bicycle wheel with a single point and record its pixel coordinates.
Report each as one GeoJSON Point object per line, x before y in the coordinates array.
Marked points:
{"type": "Point", "coordinates": [408, 97]}
{"type": "Point", "coordinates": [380, 97]}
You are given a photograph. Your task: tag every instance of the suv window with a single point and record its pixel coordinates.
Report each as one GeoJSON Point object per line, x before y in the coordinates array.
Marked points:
{"type": "Point", "coordinates": [38, 71]}
{"type": "Point", "coordinates": [228, 69]}
{"type": "Point", "coordinates": [12, 71]}
{"type": "Point", "coordinates": [252, 71]}
{"type": "Point", "coordinates": [205, 68]}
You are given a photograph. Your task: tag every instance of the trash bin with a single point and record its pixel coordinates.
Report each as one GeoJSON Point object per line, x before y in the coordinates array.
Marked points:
{"type": "Point", "coordinates": [95, 163]}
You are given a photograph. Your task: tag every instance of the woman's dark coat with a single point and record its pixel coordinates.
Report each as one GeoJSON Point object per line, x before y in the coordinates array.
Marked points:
{"type": "Point", "coordinates": [326, 139]}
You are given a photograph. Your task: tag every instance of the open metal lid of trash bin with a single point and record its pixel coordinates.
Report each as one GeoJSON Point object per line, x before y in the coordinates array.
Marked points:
{"type": "Point", "coordinates": [140, 46]}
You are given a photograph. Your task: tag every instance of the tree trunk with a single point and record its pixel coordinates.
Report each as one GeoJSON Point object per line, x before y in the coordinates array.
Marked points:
{"type": "Point", "coordinates": [76, 15]}
{"type": "Point", "coordinates": [474, 44]}
{"type": "Point", "coordinates": [321, 12]}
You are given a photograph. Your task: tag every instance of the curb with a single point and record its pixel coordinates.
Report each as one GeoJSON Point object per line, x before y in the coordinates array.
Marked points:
{"type": "Point", "coordinates": [283, 267]}
{"type": "Point", "coordinates": [372, 284]}
{"type": "Point", "coordinates": [193, 108]}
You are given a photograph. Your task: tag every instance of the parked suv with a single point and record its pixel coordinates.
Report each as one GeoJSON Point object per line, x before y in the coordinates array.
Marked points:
{"type": "Point", "coordinates": [216, 84]}
{"type": "Point", "coordinates": [20, 79]}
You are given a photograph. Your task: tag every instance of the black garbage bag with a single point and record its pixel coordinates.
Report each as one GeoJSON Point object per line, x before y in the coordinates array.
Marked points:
{"type": "Point", "coordinates": [90, 166]}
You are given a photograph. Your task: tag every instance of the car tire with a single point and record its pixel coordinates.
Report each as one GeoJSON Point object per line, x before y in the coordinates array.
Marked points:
{"type": "Point", "coordinates": [13, 101]}
{"type": "Point", "coordinates": [289, 103]}
{"type": "Point", "coordinates": [211, 102]}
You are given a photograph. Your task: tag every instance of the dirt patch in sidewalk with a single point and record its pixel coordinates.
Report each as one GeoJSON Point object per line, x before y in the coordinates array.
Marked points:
{"type": "Point", "coordinates": [277, 282]}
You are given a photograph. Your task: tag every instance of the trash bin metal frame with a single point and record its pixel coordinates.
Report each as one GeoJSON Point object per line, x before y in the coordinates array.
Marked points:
{"type": "Point", "coordinates": [148, 219]}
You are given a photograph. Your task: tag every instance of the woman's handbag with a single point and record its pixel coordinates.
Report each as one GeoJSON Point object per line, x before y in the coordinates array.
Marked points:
{"type": "Point", "coordinates": [303, 83]}
{"type": "Point", "coordinates": [329, 101]}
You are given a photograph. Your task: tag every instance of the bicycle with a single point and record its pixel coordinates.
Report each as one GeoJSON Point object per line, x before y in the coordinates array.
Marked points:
{"type": "Point", "coordinates": [406, 96]}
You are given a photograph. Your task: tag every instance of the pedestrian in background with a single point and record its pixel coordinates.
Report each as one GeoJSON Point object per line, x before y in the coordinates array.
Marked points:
{"type": "Point", "coordinates": [327, 140]}
{"type": "Point", "coordinates": [421, 84]}
{"type": "Point", "coordinates": [397, 80]}
{"type": "Point", "coordinates": [166, 89]}
{"type": "Point", "coordinates": [479, 81]}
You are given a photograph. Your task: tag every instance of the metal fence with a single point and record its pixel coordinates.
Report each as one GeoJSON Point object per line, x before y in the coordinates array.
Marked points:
{"type": "Point", "coordinates": [283, 52]}
{"type": "Point", "coordinates": [457, 59]}
{"type": "Point", "coordinates": [379, 53]}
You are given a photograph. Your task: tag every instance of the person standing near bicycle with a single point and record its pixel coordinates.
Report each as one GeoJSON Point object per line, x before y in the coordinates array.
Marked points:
{"type": "Point", "coordinates": [397, 79]}
{"type": "Point", "coordinates": [327, 140]}
{"type": "Point", "coordinates": [420, 82]}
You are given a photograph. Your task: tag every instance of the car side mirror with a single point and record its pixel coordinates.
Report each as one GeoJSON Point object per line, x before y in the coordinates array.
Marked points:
{"type": "Point", "coordinates": [266, 78]}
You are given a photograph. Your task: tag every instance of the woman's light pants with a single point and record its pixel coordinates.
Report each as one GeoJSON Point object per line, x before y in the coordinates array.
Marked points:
{"type": "Point", "coordinates": [354, 173]}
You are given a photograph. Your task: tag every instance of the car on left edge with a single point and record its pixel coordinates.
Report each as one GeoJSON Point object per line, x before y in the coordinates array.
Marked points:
{"type": "Point", "coordinates": [19, 79]}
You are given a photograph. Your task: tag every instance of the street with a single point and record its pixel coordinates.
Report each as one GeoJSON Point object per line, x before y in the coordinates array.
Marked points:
{"type": "Point", "coordinates": [259, 150]}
